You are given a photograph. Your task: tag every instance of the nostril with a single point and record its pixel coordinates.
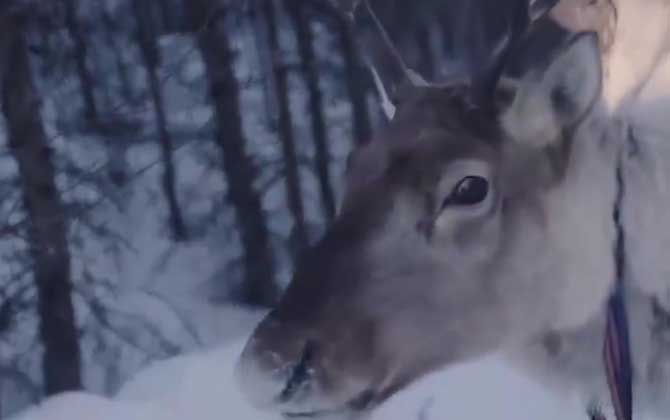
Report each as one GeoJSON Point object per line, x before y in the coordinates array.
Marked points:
{"type": "Point", "coordinates": [300, 375]}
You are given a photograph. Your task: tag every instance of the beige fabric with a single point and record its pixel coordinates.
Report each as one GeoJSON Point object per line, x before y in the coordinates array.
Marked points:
{"type": "Point", "coordinates": [587, 15]}
{"type": "Point", "coordinates": [636, 42]}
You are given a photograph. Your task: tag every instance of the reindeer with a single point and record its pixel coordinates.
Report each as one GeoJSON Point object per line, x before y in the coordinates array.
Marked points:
{"type": "Point", "coordinates": [493, 213]}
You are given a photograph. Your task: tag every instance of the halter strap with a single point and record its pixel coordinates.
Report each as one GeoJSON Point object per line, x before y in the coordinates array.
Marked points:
{"type": "Point", "coordinates": [616, 350]}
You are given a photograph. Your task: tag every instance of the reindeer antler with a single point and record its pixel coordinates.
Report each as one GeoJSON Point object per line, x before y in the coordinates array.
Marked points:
{"type": "Point", "coordinates": [412, 76]}
{"type": "Point", "coordinates": [389, 70]}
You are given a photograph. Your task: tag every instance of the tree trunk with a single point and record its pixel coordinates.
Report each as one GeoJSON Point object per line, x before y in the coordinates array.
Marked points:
{"type": "Point", "coordinates": [426, 66]}
{"type": "Point", "coordinates": [110, 32]}
{"type": "Point", "coordinates": [207, 17]}
{"type": "Point", "coordinates": [47, 232]}
{"type": "Point", "coordinates": [315, 103]}
{"type": "Point", "coordinates": [116, 168]}
{"type": "Point", "coordinates": [80, 54]}
{"type": "Point", "coordinates": [146, 34]}
{"type": "Point", "coordinates": [357, 80]}
{"type": "Point", "coordinates": [286, 136]}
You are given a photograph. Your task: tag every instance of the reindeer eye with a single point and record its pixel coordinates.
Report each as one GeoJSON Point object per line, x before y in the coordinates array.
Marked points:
{"type": "Point", "coordinates": [469, 191]}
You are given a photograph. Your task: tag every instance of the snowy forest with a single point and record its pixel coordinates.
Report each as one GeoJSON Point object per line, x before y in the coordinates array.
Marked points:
{"type": "Point", "coordinates": [165, 165]}
{"type": "Point", "coordinates": [164, 162]}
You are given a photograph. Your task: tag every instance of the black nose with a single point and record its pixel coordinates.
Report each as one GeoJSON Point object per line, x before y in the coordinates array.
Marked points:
{"type": "Point", "coordinates": [301, 374]}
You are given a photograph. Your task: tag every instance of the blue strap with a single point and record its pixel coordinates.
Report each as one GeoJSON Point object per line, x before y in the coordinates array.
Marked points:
{"type": "Point", "coordinates": [616, 351]}
{"type": "Point", "coordinates": [618, 365]}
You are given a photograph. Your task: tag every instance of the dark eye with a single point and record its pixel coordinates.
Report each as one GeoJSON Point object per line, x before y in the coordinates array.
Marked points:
{"type": "Point", "coordinates": [469, 191]}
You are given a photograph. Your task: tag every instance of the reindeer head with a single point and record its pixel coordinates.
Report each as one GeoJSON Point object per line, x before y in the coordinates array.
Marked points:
{"type": "Point", "coordinates": [440, 251]}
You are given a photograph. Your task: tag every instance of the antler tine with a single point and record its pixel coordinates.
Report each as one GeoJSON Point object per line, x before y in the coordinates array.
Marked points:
{"type": "Point", "coordinates": [412, 76]}
{"type": "Point", "coordinates": [389, 71]}
{"type": "Point", "coordinates": [525, 17]}
{"type": "Point", "coordinates": [537, 9]}
{"type": "Point", "coordinates": [344, 8]}
{"type": "Point", "coordinates": [385, 37]}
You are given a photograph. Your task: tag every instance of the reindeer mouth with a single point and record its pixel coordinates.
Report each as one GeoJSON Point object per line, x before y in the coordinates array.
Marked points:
{"type": "Point", "coordinates": [355, 408]}
{"type": "Point", "coordinates": [317, 414]}
{"type": "Point", "coordinates": [299, 379]}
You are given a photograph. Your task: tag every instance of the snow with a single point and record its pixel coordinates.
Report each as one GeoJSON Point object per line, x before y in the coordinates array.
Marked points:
{"type": "Point", "coordinates": [201, 386]}
{"type": "Point", "coordinates": [74, 406]}
{"type": "Point", "coordinates": [483, 389]}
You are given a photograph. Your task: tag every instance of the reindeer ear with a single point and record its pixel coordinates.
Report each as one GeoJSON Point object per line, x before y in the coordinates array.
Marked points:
{"type": "Point", "coordinates": [548, 101]}
{"type": "Point", "coordinates": [574, 78]}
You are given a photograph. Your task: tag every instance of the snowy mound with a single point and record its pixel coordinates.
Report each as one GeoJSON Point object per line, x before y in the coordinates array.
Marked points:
{"type": "Point", "coordinates": [80, 406]}
{"type": "Point", "coordinates": [201, 387]}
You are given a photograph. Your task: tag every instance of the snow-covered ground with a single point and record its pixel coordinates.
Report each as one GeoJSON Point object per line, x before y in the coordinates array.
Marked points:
{"type": "Point", "coordinates": [201, 386]}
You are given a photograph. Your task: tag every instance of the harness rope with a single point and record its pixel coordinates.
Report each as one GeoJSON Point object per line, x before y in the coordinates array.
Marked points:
{"type": "Point", "coordinates": [616, 349]}
{"type": "Point", "coordinates": [618, 365]}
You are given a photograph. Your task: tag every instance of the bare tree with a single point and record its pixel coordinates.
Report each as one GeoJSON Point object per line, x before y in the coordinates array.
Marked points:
{"type": "Point", "coordinates": [80, 54]}
{"type": "Point", "coordinates": [315, 103]}
{"type": "Point", "coordinates": [426, 65]}
{"type": "Point", "coordinates": [146, 37]}
{"type": "Point", "coordinates": [286, 134]}
{"type": "Point", "coordinates": [357, 77]}
{"type": "Point", "coordinates": [357, 83]}
{"type": "Point", "coordinates": [110, 28]}
{"type": "Point", "coordinates": [46, 215]}
{"type": "Point", "coordinates": [110, 129]}
{"type": "Point", "coordinates": [207, 19]}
